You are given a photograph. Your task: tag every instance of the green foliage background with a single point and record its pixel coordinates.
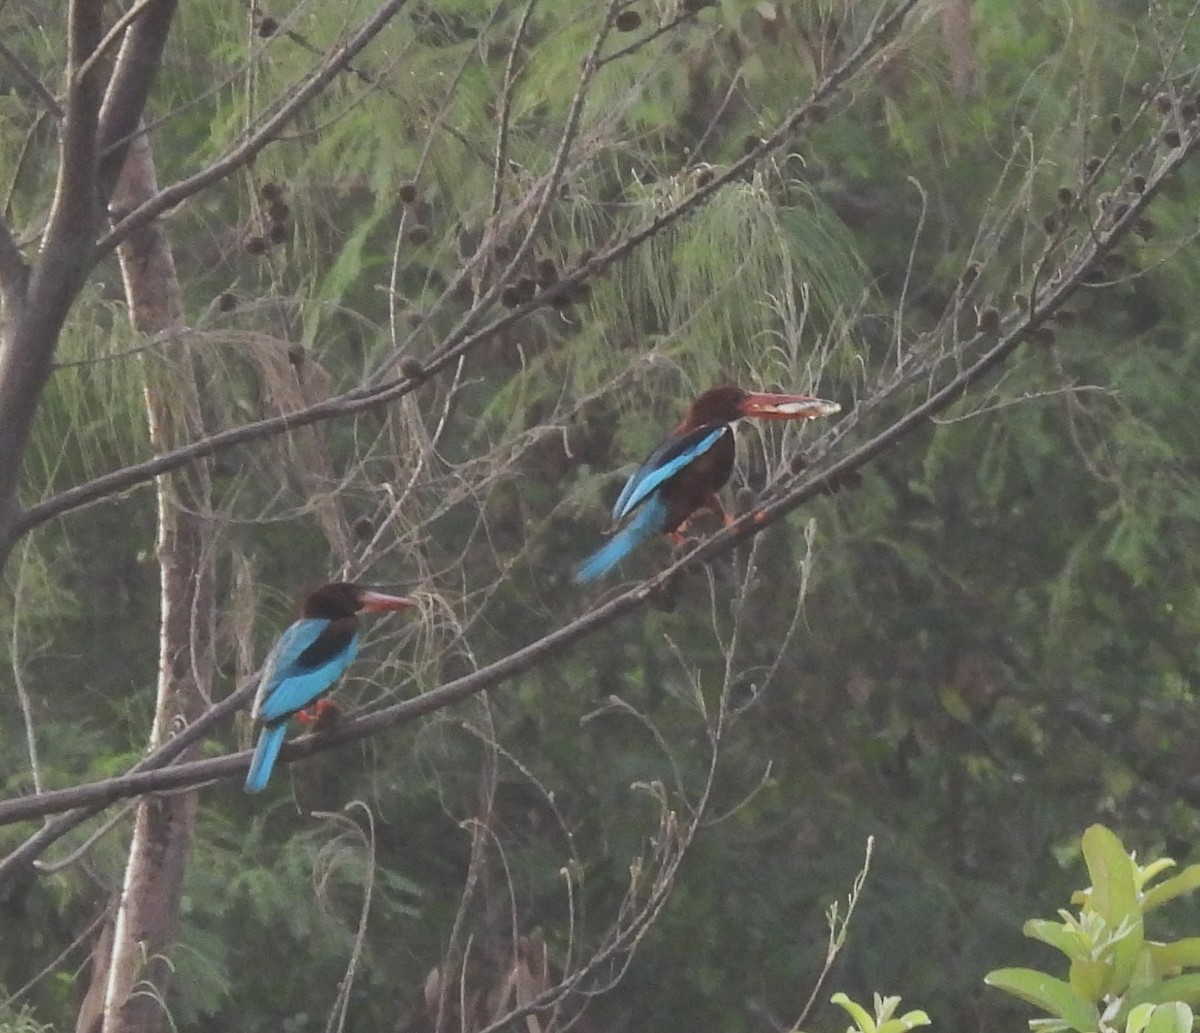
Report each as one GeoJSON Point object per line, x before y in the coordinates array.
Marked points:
{"type": "Point", "coordinates": [997, 645]}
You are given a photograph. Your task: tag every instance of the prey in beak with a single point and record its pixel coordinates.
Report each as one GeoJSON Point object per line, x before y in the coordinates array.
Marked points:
{"type": "Point", "coordinates": [763, 406]}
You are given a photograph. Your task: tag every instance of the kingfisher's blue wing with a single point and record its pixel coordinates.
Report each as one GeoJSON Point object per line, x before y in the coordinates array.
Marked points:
{"type": "Point", "coordinates": [308, 658]}
{"type": "Point", "coordinates": [667, 460]}
{"type": "Point", "coordinates": [648, 522]}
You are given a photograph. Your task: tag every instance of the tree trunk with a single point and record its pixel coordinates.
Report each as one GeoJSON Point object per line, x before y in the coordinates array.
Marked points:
{"type": "Point", "coordinates": [147, 917]}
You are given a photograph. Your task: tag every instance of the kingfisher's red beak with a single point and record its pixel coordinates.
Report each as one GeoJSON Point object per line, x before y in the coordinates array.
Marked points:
{"type": "Point", "coordinates": [787, 407]}
{"type": "Point", "coordinates": [373, 602]}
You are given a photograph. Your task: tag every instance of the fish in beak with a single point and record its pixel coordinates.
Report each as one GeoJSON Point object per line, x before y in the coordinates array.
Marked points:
{"type": "Point", "coordinates": [787, 407]}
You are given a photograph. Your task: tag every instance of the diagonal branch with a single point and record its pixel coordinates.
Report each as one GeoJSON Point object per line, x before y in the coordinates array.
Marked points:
{"type": "Point", "coordinates": [245, 152]}
{"type": "Point", "coordinates": [504, 115]}
{"type": "Point", "coordinates": [22, 858]}
{"type": "Point", "coordinates": [684, 17]}
{"type": "Point", "coordinates": [115, 32]}
{"type": "Point", "coordinates": [32, 81]}
{"type": "Point", "coordinates": [133, 76]}
{"type": "Point", "coordinates": [1018, 327]}
{"type": "Point", "coordinates": [142, 473]}
{"type": "Point", "coordinates": [34, 316]}
{"type": "Point", "coordinates": [542, 196]}
{"type": "Point", "coordinates": [74, 215]}
{"type": "Point", "coordinates": [463, 338]}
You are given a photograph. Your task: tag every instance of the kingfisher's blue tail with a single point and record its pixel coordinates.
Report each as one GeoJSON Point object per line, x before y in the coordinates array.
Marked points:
{"type": "Point", "coordinates": [649, 521]}
{"type": "Point", "coordinates": [266, 752]}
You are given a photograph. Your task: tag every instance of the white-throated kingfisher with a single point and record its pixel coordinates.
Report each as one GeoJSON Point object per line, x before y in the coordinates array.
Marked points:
{"type": "Point", "coordinates": [307, 660]}
{"type": "Point", "coordinates": [687, 470]}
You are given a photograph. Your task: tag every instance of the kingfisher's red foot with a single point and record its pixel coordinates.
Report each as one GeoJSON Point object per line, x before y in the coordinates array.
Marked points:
{"type": "Point", "coordinates": [760, 516]}
{"type": "Point", "coordinates": [680, 536]}
{"type": "Point", "coordinates": [321, 715]}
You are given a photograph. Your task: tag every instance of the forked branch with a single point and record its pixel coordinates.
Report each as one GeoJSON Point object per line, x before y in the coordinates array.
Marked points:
{"type": "Point", "coordinates": [826, 475]}
{"type": "Point", "coordinates": [467, 334]}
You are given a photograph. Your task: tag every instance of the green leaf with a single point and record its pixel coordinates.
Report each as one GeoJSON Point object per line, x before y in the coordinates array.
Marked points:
{"type": "Point", "coordinates": [1185, 989]}
{"type": "Point", "coordinates": [1169, 958]}
{"type": "Point", "coordinates": [1051, 995]}
{"type": "Point", "coordinates": [858, 1014]}
{"type": "Point", "coordinates": [1057, 935]}
{"type": "Point", "coordinates": [953, 703]}
{"type": "Point", "coordinates": [1150, 872]}
{"type": "Point", "coordinates": [1186, 881]}
{"type": "Point", "coordinates": [909, 1020]}
{"type": "Point", "coordinates": [1111, 872]}
{"type": "Point", "coordinates": [1114, 896]}
{"type": "Point", "coordinates": [1089, 977]}
{"type": "Point", "coordinates": [1138, 1018]}
{"type": "Point", "coordinates": [1174, 1017]}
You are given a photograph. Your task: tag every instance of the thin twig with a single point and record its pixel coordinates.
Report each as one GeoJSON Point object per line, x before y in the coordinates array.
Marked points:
{"type": "Point", "coordinates": [438, 122]}
{"type": "Point", "coordinates": [505, 114]}
{"type": "Point", "coordinates": [541, 197]}
{"type": "Point", "coordinates": [113, 35]}
{"type": "Point", "coordinates": [341, 1004]}
{"type": "Point", "coordinates": [32, 81]}
{"type": "Point", "coordinates": [809, 485]}
{"type": "Point", "coordinates": [25, 854]}
{"type": "Point", "coordinates": [362, 399]}
{"type": "Point", "coordinates": [105, 827]}
{"type": "Point", "coordinates": [839, 926]}
{"type": "Point", "coordinates": [637, 44]}
{"type": "Point", "coordinates": [458, 942]}
{"type": "Point", "coordinates": [245, 152]}
{"type": "Point", "coordinates": [52, 967]}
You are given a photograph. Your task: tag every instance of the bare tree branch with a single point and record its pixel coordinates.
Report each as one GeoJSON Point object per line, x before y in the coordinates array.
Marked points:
{"type": "Point", "coordinates": [129, 87]}
{"type": "Point", "coordinates": [542, 195]}
{"type": "Point", "coordinates": [1017, 327]}
{"type": "Point", "coordinates": [142, 473]}
{"type": "Point", "coordinates": [20, 860]}
{"type": "Point", "coordinates": [462, 339]}
{"type": "Point", "coordinates": [148, 909]}
{"type": "Point", "coordinates": [245, 152]}
{"type": "Point", "coordinates": [75, 212]}
{"type": "Point", "coordinates": [504, 115]}
{"type": "Point", "coordinates": [115, 32]}
{"type": "Point", "coordinates": [1032, 312]}
{"type": "Point", "coordinates": [30, 331]}
{"type": "Point", "coordinates": [31, 80]}
{"type": "Point", "coordinates": [682, 18]}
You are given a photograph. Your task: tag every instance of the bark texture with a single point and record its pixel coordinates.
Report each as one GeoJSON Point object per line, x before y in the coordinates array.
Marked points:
{"type": "Point", "coordinates": [147, 917]}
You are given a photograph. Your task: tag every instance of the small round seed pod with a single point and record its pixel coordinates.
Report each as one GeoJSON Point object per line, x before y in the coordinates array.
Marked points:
{"type": "Point", "coordinates": [989, 320]}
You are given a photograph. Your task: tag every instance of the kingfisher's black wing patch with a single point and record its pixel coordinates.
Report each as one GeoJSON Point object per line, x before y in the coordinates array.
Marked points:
{"type": "Point", "coordinates": [308, 658]}
{"type": "Point", "coordinates": [335, 639]}
{"type": "Point", "coordinates": [665, 461]}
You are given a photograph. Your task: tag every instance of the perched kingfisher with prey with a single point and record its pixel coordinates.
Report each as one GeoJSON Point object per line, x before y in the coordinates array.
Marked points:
{"type": "Point", "coordinates": [686, 471]}
{"type": "Point", "coordinates": [306, 662]}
